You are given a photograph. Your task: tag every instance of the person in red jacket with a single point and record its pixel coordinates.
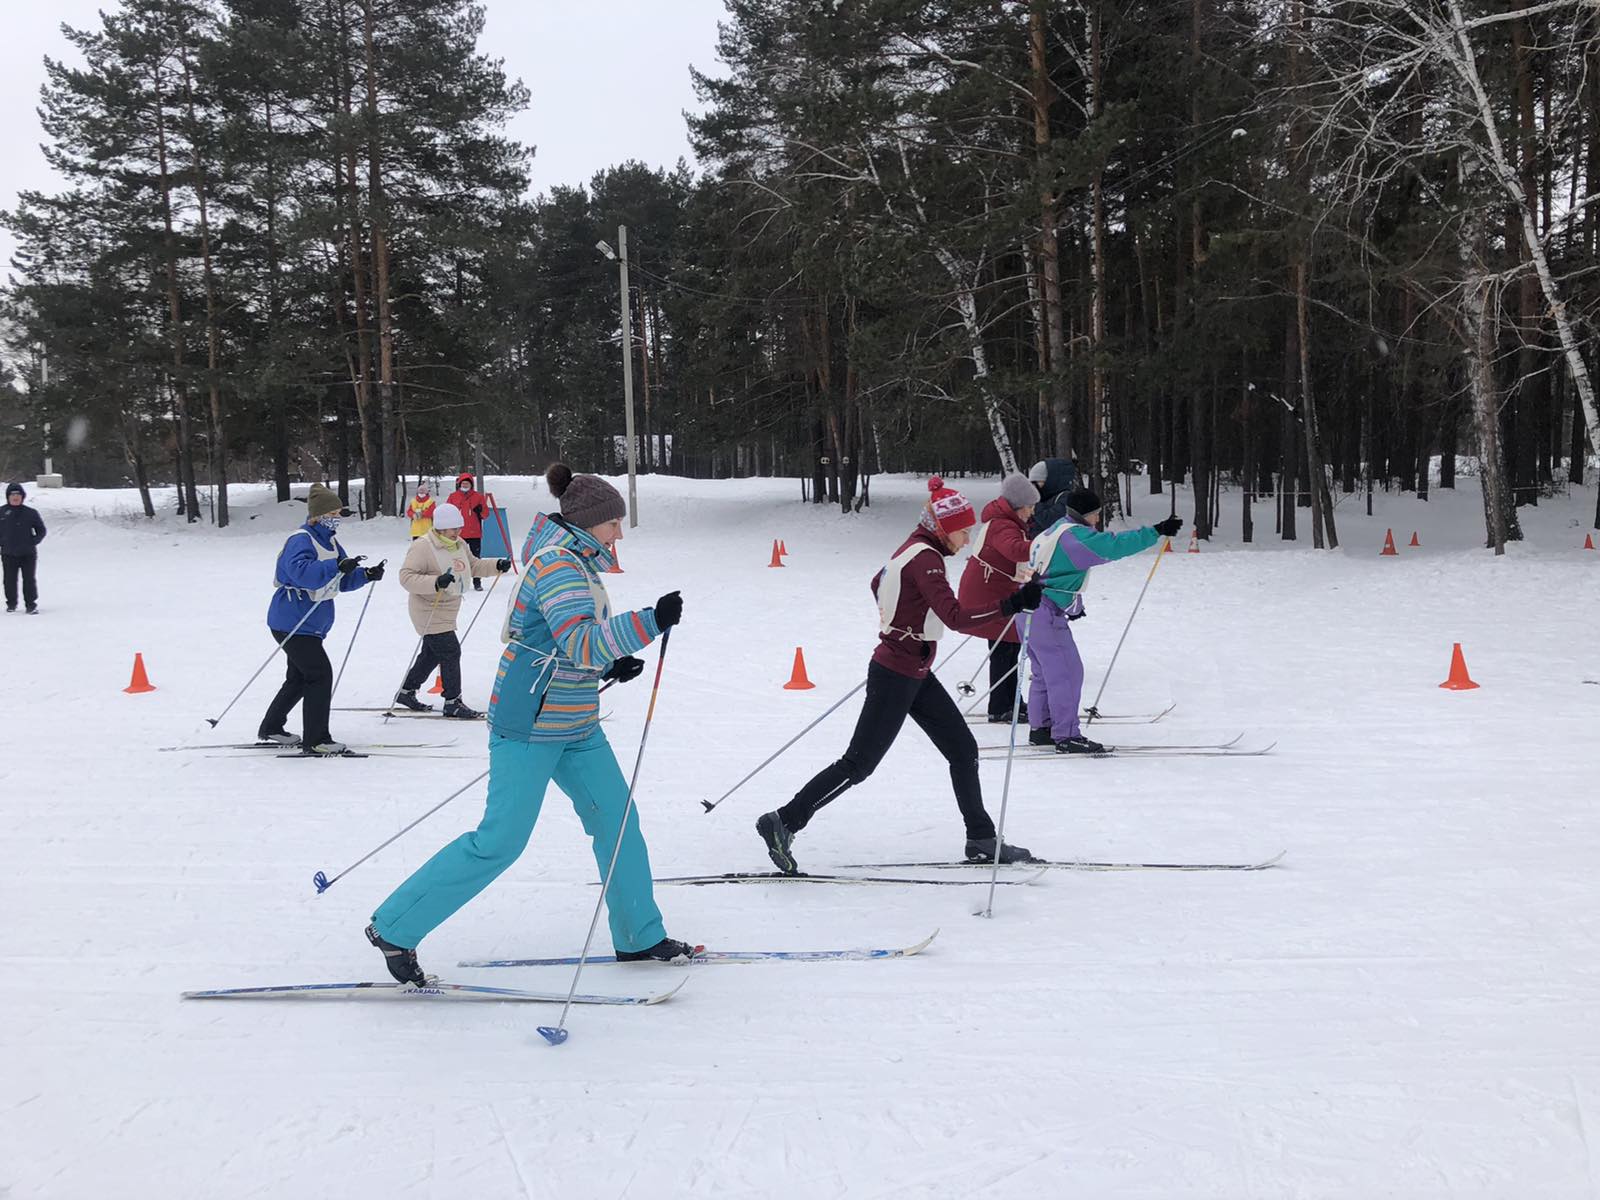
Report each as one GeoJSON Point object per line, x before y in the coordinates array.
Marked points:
{"type": "Point", "coordinates": [473, 506]}
{"type": "Point", "coordinates": [914, 606]}
{"type": "Point", "coordinates": [999, 562]}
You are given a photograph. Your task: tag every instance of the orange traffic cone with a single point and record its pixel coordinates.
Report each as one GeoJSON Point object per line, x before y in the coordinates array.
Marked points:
{"type": "Point", "coordinates": [1388, 550]}
{"type": "Point", "coordinates": [438, 686]}
{"type": "Point", "coordinates": [140, 681]}
{"type": "Point", "coordinates": [797, 678]}
{"type": "Point", "coordinates": [777, 555]}
{"type": "Point", "coordinates": [616, 562]}
{"type": "Point", "coordinates": [1588, 541]}
{"type": "Point", "coordinates": [782, 549]}
{"type": "Point", "coordinates": [1414, 541]}
{"type": "Point", "coordinates": [1194, 541]}
{"type": "Point", "coordinates": [1459, 680]}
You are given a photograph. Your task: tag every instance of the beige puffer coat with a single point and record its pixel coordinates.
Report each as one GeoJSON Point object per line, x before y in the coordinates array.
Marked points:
{"type": "Point", "coordinates": [434, 611]}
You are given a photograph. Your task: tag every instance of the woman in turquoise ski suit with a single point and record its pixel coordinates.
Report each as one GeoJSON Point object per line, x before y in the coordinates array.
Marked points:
{"type": "Point", "coordinates": [544, 725]}
{"type": "Point", "coordinates": [1062, 556]}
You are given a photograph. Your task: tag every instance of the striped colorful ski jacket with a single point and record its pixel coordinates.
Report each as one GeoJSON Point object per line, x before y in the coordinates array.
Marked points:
{"type": "Point", "coordinates": [560, 637]}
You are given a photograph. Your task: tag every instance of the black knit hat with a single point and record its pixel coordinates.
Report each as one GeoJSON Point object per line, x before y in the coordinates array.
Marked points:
{"type": "Point", "coordinates": [586, 500]}
{"type": "Point", "coordinates": [1082, 501]}
{"type": "Point", "coordinates": [15, 489]}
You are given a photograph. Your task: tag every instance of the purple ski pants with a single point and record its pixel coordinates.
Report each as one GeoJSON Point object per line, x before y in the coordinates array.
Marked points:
{"type": "Point", "coordinates": [1055, 693]}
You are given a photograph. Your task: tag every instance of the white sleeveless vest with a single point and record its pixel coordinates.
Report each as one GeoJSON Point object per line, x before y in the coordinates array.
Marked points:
{"type": "Point", "coordinates": [324, 554]}
{"type": "Point", "coordinates": [890, 580]}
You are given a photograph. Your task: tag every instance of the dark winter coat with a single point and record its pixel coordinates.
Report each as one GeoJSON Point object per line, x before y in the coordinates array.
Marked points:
{"type": "Point", "coordinates": [990, 574]}
{"type": "Point", "coordinates": [924, 588]}
{"type": "Point", "coordinates": [21, 530]}
{"type": "Point", "coordinates": [1061, 476]}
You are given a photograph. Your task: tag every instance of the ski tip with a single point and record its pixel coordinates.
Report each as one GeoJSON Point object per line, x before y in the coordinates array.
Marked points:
{"type": "Point", "coordinates": [553, 1034]}
{"type": "Point", "coordinates": [321, 882]}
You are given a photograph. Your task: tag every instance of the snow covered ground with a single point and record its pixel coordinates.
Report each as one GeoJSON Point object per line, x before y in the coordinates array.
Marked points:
{"type": "Point", "coordinates": [1406, 1007]}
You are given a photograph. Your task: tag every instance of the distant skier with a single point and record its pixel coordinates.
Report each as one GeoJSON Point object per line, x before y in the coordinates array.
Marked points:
{"type": "Point", "coordinates": [473, 506]}
{"type": "Point", "coordinates": [1055, 478]}
{"type": "Point", "coordinates": [544, 725]}
{"type": "Point", "coordinates": [435, 573]}
{"type": "Point", "coordinates": [420, 513]}
{"type": "Point", "coordinates": [312, 569]}
{"type": "Point", "coordinates": [21, 531]}
{"type": "Point", "coordinates": [1063, 555]}
{"type": "Point", "coordinates": [999, 562]}
{"type": "Point", "coordinates": [914, 606]}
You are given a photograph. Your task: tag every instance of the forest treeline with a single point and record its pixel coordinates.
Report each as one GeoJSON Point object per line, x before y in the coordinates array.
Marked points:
{"type": "Point", "coordinates": [1281, 251]}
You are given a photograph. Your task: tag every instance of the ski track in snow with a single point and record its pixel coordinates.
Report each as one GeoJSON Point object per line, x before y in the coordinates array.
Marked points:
{"type": "Point", "coordinates": [1405, 1007]}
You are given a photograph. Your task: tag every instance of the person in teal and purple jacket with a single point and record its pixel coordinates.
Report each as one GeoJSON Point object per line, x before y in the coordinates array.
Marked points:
{"type": "Point", "coordinates": [1062, 556]}
{"type": "Point", "coordinates": [544, 726]}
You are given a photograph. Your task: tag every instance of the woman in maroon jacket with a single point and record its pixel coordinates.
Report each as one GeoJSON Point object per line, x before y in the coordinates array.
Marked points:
{"type": "Point", "coordinates": [998, 563]}
{"type": "Point", "coordinates": [914, 605]}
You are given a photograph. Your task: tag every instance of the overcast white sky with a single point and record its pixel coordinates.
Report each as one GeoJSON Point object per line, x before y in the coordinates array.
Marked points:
{"type": "Point", "coordinates": [609, 81]}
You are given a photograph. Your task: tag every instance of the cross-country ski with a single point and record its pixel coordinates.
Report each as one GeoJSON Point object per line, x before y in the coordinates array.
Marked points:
{"type": "Point", "coordinates": [724, 957]}
{"type": "Point", "coordinates": [1082, 864]}
{"type": "Point", "coordinates": [432, 990]}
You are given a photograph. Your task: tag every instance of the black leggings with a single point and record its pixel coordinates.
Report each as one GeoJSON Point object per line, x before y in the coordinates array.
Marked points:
{"type": "Point", "coordinates": [442, 650]}
{"type": "Point", "coordinates": [1002, 678]}
{"type": "Point", "coordinates": [891, 697]}
{"type": "Point", "coordinates": [308, 678]}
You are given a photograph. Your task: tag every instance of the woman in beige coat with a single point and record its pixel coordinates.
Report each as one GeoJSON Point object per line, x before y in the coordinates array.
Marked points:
{"type": "Point", "coordinates": [434, 573]}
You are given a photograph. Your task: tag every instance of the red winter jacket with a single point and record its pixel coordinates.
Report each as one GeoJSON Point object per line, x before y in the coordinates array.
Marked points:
{"type": "Point", "coordinates": [991, 572]}
{"type": "Point", "coordinates": [923, 587]}
{"type": "Point", "coordinates": [473, 506]}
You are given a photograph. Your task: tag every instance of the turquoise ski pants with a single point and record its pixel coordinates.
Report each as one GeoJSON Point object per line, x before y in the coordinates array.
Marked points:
{"type": "Point", "coordinates": [519, 773]}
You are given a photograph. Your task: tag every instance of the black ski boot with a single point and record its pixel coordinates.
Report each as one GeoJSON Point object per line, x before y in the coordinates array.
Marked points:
{"type": "Point", "coordinates": [1005, 717]}
{"type": "Point", "coordinates": [455, 708]}
{"type": "Point", "coordinates": [1079, 745]}
{"type": "Point", "coordinates": [778, 838]}
{"type": "Point", "coordinates": [1040, 737]}
{"type": "Point", "coordinates": [981, 850]}
{"type": "Point", "coordinates": [402, 963]}
{"type": "Point", "coordinates": [666, 950]}
{"type": "Point", "coordinates": [407, 698]}
{"type": "Point", "coordinates": [278, 737]}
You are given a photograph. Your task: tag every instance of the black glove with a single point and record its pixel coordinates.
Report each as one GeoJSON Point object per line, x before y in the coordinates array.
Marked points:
{"type": "Point", "coordinates": [669, 610]}
{"type": "Point", "coordinates": [444, 581]}
{"type": "Point", "coordinates": [346, 565]}
{"type": "Point", "coordinates": [1079, 615]}
{"type": "Point", "coordinates": [375, 573]}
{"type": "Point", "coordinates": [625, 668]}
{"type": "Point", "coordinates": [502, 565]}
{"type": "Point", "coordinates": [479, 511]}
{"type": "Point", "coordinates": [1171, 527]}
{"type": "Point", "coordinates": [1025, 599]}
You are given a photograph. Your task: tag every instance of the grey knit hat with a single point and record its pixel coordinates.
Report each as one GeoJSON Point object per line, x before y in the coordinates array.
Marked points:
{"type": "Point", "coordinates": [1018, 491]}
{"type": "Point", "coordinates": [586, 500]}
{"type": "Point", "coordinates": [324, 502]}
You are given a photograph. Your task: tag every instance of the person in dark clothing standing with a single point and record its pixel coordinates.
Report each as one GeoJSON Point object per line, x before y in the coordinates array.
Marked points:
{"type": "Point", "coordinates": [21, 531]}
{"type": "Point", "coordinates": [914, 606]}
{"type": "Point", "coordinates": [1055, 478]}
{"type": "Point", "coordinates": [312, 569]}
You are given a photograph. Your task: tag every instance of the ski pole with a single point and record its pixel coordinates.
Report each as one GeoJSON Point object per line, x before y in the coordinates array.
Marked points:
{"type": "Point", "coordinates": [708, 805]}
{"type": "Point", "coordinates": [1094, 709]}
{"type": "Point", "coordinates": [323, 883]}
{"type": "Point", "coordinates": [1005, 790]}
{"type": "Point", "coordinates": [557, 1034]}
{"type": "Point", "coordinates": [965, 688]}
{"type": "Point", "coordinates": [216, 720]}
{"type": "Point", "coordinates": [353, 635]}
{"type": "Point", "coordinates": [482, 605]}
{"type": "Point", "coordinates": [506, 537]}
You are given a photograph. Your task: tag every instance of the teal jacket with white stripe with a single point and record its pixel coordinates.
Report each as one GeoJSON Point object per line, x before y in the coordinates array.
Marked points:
{"type": "Point", "coordinates": [560, 637]}
{"type": "Point", "coordinates": [1063, 554]}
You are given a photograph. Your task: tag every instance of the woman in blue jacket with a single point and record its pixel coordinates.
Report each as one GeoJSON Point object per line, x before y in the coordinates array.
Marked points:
{"type": "Point", "coordinates": [312, 569]}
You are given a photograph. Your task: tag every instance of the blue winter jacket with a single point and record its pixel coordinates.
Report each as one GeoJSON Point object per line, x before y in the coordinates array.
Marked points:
{"type": "Point", "coordinates": [307, 572]}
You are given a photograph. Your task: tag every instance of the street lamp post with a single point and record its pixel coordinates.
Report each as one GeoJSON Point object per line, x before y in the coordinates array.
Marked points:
{"type": "Point", "coordinates": [621, 256]}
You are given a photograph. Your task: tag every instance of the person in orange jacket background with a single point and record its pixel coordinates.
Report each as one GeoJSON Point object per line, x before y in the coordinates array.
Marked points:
{"type": "Point", "coordinates": [473, 506]}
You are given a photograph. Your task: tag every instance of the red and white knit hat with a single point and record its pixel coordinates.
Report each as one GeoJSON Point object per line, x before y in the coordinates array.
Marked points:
{"type": "Point", "coordinates": [950, 511]}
